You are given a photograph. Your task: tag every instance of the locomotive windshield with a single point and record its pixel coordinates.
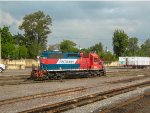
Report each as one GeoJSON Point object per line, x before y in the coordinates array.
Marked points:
{"type": "Point", "coordinates": [96, 59]}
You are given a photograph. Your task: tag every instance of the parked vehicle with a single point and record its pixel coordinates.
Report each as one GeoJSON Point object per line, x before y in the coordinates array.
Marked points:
{"type": "Point", "coordinates": [2, 67]}
{"type": "Point", "coordinates": [59, 65]}
{"type": "Point", "coordinates": [135, 62]}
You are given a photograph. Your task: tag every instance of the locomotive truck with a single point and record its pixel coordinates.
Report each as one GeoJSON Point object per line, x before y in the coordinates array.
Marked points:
{"type": "Point", "coordinates": [59, 65]}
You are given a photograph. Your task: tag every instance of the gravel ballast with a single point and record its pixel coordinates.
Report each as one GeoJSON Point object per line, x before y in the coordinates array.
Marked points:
{"type": "Point", "coordinates": [100, 84]}
{"type": "Point", "coordinates": [12, 91]}
{"type": "Point", "coordinates": [98, 106]}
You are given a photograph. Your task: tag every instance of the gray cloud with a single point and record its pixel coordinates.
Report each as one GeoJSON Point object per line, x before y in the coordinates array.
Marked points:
{"type": "Point", "coordinates": [87, 23]}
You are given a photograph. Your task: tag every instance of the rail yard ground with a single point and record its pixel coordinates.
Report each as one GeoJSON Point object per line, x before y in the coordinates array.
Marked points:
{"type": "Point", "coordinates": [18, 93]}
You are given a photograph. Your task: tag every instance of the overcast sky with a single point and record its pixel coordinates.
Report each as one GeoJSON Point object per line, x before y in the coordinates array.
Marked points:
{"type": "Point", "coordinates": [85, 23]}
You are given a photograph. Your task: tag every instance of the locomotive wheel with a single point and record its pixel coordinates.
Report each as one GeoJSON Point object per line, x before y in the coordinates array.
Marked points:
{"type": "Point", "coordinates": [56, 76]}
{"type": "Point", "coordinates": [94, 74]}
{"type": "Point", "coordinates": [45, 77]}
{"type": "Point", "coordinates": [50, 76]}
{"type": "Point", "coordinates": [90, 75]}
{"type": "Point", "coordinates": [100, 73]}
{"type": "Point", "coordinates": [59, 76]}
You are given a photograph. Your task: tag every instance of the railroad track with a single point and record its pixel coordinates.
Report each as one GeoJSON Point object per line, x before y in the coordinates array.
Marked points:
{"type": "Point", "coordinates": [40, 95]}
{"type": "Point", "coordinates": [24, 79]}
{"type": "Point", "coordinates": [84, 100]}
{"type": "Point", "coordinates": [64, 91]}
{"type": "Point", "coordinates": [130, 71]}
{"type": "Point", "coordinates": [47, 94]}
{"type": "Point", "coordinates": [128, 79]}
{"type": "Point", "coordinates": [59, 92]}
{"type": "Point", "coordinates": [18, 82]}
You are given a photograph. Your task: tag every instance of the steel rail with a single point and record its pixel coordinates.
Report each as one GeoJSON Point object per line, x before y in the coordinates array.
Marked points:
{"type": "Point", "coordinates": [59, 92]}
{"type": "Point", "coordinates": [84, 100]}
{"type": "Point", "coordinates": [40, 95]}
{"type": "Point", "coordinates": [25, 78]}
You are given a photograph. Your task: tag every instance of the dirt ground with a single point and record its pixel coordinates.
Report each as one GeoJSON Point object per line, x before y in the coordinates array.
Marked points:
{"type": "Point", "coordinates": [138, 106]}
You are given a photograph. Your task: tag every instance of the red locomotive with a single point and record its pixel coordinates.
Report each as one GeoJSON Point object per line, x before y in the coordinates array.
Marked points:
{"type": "Point", "coordinates": [59, 65]}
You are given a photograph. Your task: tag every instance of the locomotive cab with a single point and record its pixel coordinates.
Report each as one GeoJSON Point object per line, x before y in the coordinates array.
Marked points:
{"type": "Point", "coordinates": [94, 61]}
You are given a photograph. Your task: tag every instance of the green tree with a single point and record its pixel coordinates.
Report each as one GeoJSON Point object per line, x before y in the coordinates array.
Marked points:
{"type": "Point", "coordinates": [108, 56]}
{"type": "Point", "coordinates": [23, 52]}
{"type": "Point", "coordinates": [98, 48]}
{"type": "Point", "coordinates": [36, 27]}
{"type": "Point", "coordinates": [20, 39]}
{"type": "Point", "coordinates": [145, 48]}
{"type": "Point", "coordinates": [21, 46]}
{"type": "Point", "coordinates": [87, 50]}
{"type": "Point", "coordinates": [120, 42]}
{"type": "Point", "coordinates": [33, 50]}
{"type": "Point", "coordinates": [6, 36]}
{"type": "Point", "coordinates": [68, 46]}
{"type": "Point", "coordinates": [133, 47]}
{"type": "Point", "coordinates": [8, 51]}
{"type": "Point", "coordinates": [7, 43]}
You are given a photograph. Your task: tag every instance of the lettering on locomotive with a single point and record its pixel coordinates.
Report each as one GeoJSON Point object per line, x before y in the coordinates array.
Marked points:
{"type": "Point", "coordinates": [66, 61]}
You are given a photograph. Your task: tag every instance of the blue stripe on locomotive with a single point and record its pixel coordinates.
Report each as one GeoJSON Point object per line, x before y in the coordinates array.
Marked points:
{"type": "Point", "coordinates": [59, 55]}
{"type": "Point", "coordinates": [59, 66]}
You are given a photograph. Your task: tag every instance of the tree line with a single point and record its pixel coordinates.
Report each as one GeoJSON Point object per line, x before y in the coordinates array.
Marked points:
{"type": "Point", "coordinates": [123, 45]}
{"type": "Point", "coordinates": [70, 46]}
{"type": "Point", "coordinates": [36, 27]}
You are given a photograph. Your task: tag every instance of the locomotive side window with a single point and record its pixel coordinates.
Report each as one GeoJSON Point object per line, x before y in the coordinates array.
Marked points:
{"type": "Point", "coordinates": [96, 60]}
{"type": "Point", "coordinates": [56, 56]}
{"type": "Point", "coordinates": [73, 55]}
{"type": "Point", "coordinates": [101, 63]}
